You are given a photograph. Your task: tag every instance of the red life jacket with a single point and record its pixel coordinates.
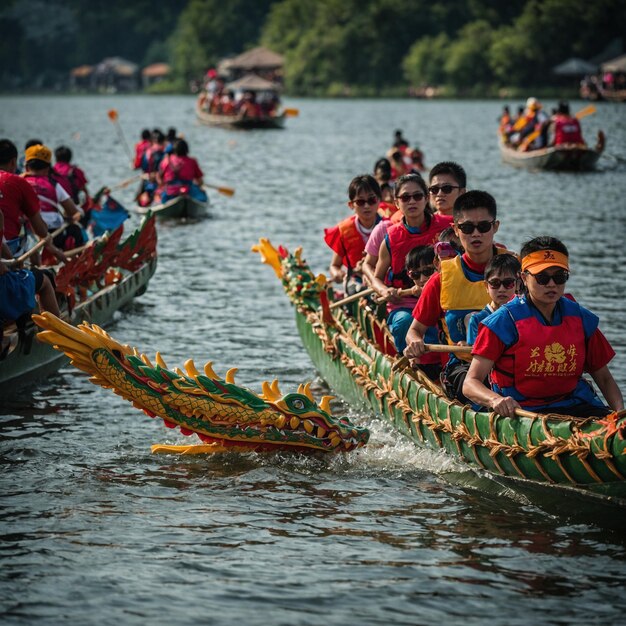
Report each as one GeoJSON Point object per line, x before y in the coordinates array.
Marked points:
{"type": "Point", "coordinates": [567, 130]}
{"type": "Point", "coordinates": [401, 242]}
{"type": "Point", "coordinates": [346, 240]}
{"type": "Point", "coordinates": [546, 362]}
{"type": "Point", "coordinates": [46, 192]}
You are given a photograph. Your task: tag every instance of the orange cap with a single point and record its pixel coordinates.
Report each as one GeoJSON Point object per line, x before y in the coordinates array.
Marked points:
{"type": "Point", "coordinates": [43, 153]}
{"type": "Point", "coordinates": [540, 260]}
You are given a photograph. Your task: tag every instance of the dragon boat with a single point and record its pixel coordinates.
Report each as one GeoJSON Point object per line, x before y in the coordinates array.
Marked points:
{"type": "Point", "coordinates": [225, 416]}
{"type": "Point", "coordinates": [353, 351]}
{"type": "Point", "coordinates": [566, 157]}
{"type": "Point", "coordinates": [181, 207]}
{"type": "Point", "coordinates": [92, 286]}
{"type": "Point", "coordinates": [240, 122]}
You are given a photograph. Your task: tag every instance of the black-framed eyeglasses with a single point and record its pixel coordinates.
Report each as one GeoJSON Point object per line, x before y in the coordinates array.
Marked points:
{"type": "Point", "coordinates": [446, 189]}
{"type": "Point", "coordinates": [427, 271]}
{"type": "Point", "coordinates": [372, 200]}
{"type": "Point", "coordinates": [560, 277]}
{"type": "Point", "coordinates": [467, 228]}
{"type": "Point", "coordinates": [417, 196]}
{"type": "Point", "coordinates": [507, 283]}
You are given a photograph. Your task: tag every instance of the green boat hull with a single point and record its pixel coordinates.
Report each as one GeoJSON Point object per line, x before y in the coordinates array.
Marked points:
{"type": "Point", "coordinates": [350, 347]}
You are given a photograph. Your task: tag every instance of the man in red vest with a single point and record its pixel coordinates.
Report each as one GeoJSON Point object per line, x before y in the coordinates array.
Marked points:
{"type": "Point", "coordinates": [564, 128]}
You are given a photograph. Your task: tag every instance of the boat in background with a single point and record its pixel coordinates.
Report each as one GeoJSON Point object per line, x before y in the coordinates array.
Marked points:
{"type": "Point", "coordinates": [91, 286]}
{"type": "Point", "coordinates": [565, 157]}
{"type": "Point", "coordinates": [352, 349]}
{"type": "Point", "coordinates": [180, 207]}
{"type": "Point", "coordinates": [247, 103]}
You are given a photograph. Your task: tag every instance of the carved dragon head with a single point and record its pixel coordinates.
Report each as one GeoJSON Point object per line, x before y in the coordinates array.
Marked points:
{"type": "Point", "coordinates": [214, 408]}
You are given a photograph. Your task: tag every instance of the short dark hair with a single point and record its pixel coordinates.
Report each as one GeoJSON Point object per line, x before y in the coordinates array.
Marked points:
{"type": "Point", "coordinates": [475, 199]}
{"type": "Point", "coordinates": [33, 142]}
{"type": "Point", "coordinates": [451, 169]}
{"type": "Point", "coordinates": [544, 242]}
{"type": "Point", "coordinates": [37, 164]}
{"type": "Point", "coordinates": [171, 134]}
{"type": "Point", "coordinates": [503, 264]}
{"type": "Point", "coordinates": [145, 134]}
{"type": "Point", "coordinates": [181, 148]}
{"type": "Point", "coordinates": [420, 255]}
{"type": "Point", "coordinates": [363, 183]}
{"type": "Point", "coordinates": [414, 177]}
{"type": "Point", "coordinates": [563, 108]}
{"type": "Point", "coordinates": [63, 154]}
{"type": "Point", "coordinates": [8, 151]}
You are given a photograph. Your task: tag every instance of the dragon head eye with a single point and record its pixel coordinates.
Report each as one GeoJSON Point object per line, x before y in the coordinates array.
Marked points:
{"type": "Point", "coordinates": [297, 403]}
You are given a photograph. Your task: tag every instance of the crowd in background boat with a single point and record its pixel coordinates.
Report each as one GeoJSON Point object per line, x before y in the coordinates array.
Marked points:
{"type": "Point", "coordinates": [444, 279]}
{"type": "Point", "coordinates": [168, 170]}
{"type": "Point", "coordinates": [217, 99]}
{"type": "Point", "coordinates": [532, 128]}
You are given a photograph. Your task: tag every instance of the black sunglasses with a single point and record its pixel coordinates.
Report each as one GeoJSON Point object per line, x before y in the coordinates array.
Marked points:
{"type": "Point", "coordinates": [507, 283]}
{"type": "Point", "coordinates": [418, 195]}
{"type": "Point", "coordinates": [435, 189]}
{"type": "Point", "coordinates": [427, 271]}
{"type": "Point", "coordinates": [559, 278]}
{"type": "Point", "coordinates": [371, 201]}
{"type": "Point", "coordinates": [467, 228]}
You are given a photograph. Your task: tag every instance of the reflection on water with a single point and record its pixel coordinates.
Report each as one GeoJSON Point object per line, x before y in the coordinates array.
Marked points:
{"type": "Point", "coordinates": [93, 524]}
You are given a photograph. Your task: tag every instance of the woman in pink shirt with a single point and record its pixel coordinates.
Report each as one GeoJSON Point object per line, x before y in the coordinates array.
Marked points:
{"type": "Point", "coordinates": [180, 174]}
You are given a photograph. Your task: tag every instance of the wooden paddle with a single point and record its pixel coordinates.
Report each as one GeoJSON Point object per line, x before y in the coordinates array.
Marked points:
{"type": "Point", "coordinates": [114, 117]}
{"type": "Point", "coordinates": [352, 298]}
{"type": "Point", "coordinates": [291, 112]}
{"type": "Point", "coordinates": [225, 191]}
{"type": "Point", "coordinates": [40, 244]}
{"type": "Point", "coordinates": [366, 292]}
{"type": "Point", "coordinates": [126, 182]}
{"type": "Point", "coordinates": [588, 110]}
{"type": "Point", "coordinates": [404, 361]}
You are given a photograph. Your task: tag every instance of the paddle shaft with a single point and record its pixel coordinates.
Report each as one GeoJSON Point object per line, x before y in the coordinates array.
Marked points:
{"type": "Point", "coordinates": [225, 191]}
{"type": "Point", "coordinates": [40, 244]}
{"type": "Point", "coordinates": [362, 294]}
{"type": "Point", "coordinates": [126, 182]}
{"type": "Point", "coordinates": [352, 298]}
{"type": "Point", "coordinates": [113, 116]}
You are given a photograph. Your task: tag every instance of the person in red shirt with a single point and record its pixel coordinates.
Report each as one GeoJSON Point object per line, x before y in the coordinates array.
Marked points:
{"type": "Point", "coordinates": [538, 345]}
{"type": "Point", "coordinates": [348, 238]}
{"type": "Point", "coordinates": [70, 177]}
{"type": "Point", "coordinates": [564, 128]}
{"type": "Point", "coordinates": [458, 288]}
{"type": "Point", "coordinates": [180, 174]}
{"type": "Point", "coordinates": [19, 205]}
{"type": "Point", "coordinates": [141, 147]}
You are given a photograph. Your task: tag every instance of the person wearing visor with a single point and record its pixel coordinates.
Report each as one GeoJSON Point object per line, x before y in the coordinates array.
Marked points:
{"type": "Point", "coordinates": [538, 346]}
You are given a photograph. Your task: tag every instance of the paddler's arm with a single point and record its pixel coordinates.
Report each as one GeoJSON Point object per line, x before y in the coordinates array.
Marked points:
{"type": "Point", "coordinates": [337, 272]}
{"type": "Point", "coordinates": [607, 385]}
{"type": "Point", "coordinates": [415, 340]}
{"type": "Point", "coordinates": [382, 267]}
{"type": "Point", "coordinates": [475, 389]}
{"type": "Point", "coordinates": [71, 211]}
{"type": "Point", "coordinates": [369, 267]}
{"type": "Point", "coordinates": [40, 228]}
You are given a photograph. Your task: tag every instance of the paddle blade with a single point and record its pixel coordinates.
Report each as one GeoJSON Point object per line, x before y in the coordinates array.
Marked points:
{"type": "Point", "coordinates": [588, 110]}
{"type": "Point", "coordinates": [226, 191]}
{"type": "Point", "coordinates": [292, 112]}
{"type": "Point", "coordinates": [112, 113]}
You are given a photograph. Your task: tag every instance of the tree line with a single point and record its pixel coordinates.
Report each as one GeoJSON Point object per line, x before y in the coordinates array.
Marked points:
{"type": "Point", "coordinates": [331, 47]}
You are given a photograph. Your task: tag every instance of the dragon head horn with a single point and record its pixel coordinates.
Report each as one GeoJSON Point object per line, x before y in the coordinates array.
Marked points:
{"type": "Point", "coordinates": [305, 390]}
{"type": "Point", "coordinates": [325, 403]}
{"type": "Point", "coordinates": [269, 255]}
{"type": "Point", "coordinates": [271, 391]}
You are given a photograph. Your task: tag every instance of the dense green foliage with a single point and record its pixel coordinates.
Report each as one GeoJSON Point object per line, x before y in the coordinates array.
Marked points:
{"type": "Point", "coordinates": [331, 46]}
